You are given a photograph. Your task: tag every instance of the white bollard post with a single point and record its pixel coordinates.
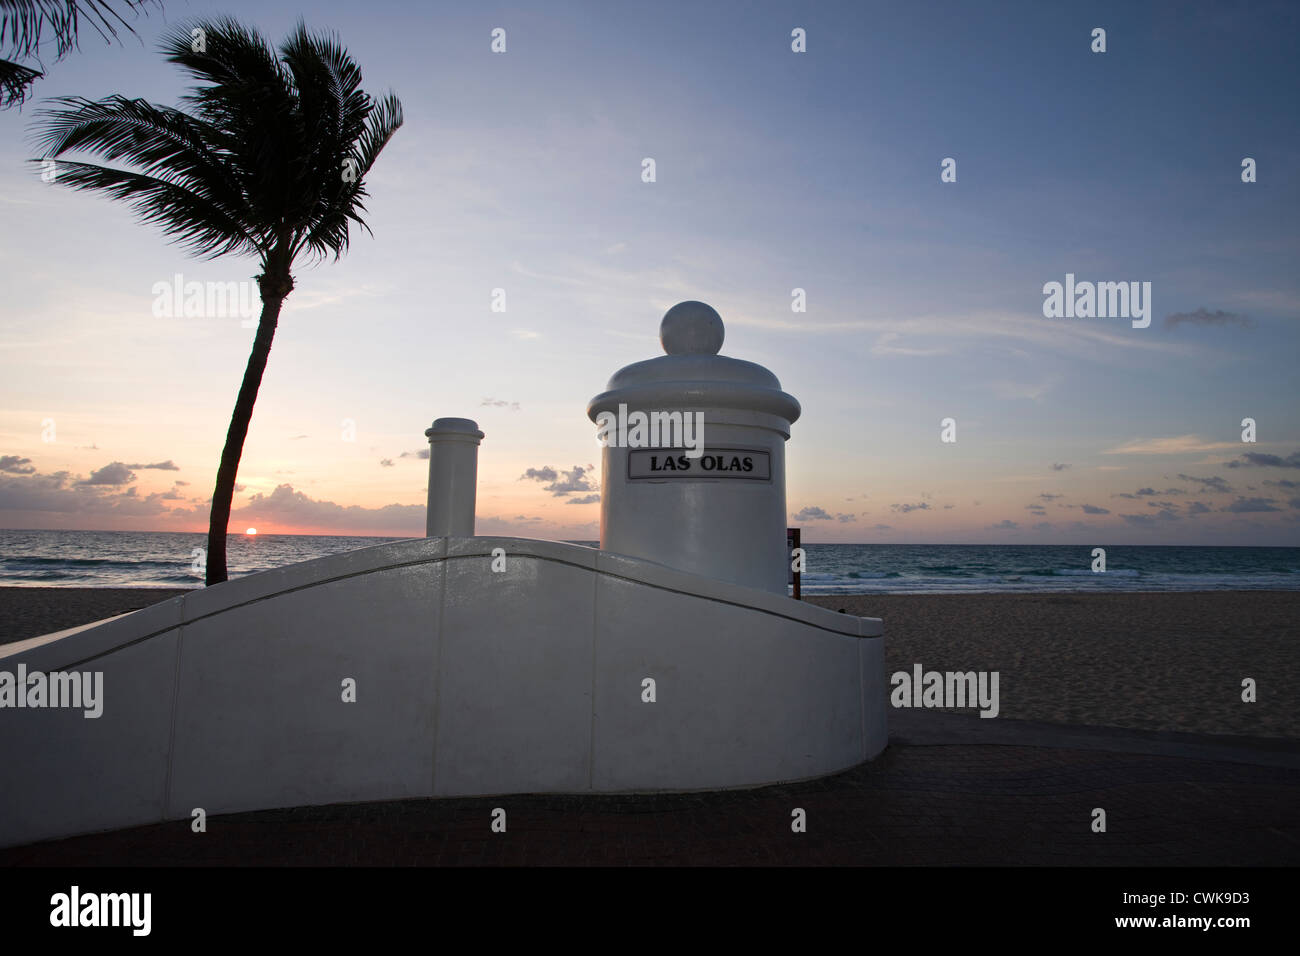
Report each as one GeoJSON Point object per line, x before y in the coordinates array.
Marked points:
{"type": "Point", "coordinates": [453, 475]}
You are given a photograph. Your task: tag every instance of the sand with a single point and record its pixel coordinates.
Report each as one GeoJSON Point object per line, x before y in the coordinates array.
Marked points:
{"type": "Point", "coordinates": [1149, 661]}
{"type": "Point", "coordinates": [29, 612]}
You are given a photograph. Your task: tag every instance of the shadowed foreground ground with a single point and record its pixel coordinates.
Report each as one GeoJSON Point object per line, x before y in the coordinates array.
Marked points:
{"type": "Point", "coordinates": [919, 804]}
{"type": "Point", "coordinates": [951, 788]}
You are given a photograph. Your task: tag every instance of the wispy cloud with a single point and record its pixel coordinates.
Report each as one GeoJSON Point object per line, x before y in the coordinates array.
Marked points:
{"type": "Point", "coordinates": [1179, 445]}
{"type": "Point", "coordinates": [561, 483]}
{"type": "Point", "coordinates": [1213, 483]}
{"type": "Point", "coordinates": [1261, 460]}
{"type": "Point", "coordinates": [1204, 316]}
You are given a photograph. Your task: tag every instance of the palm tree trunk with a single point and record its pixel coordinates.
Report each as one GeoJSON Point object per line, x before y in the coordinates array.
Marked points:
{"type": "Point", "coordinates": [234, 450]}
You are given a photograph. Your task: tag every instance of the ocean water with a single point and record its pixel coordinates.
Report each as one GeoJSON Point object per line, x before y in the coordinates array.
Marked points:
{"type": "Point", "coordinates": [165, 559]}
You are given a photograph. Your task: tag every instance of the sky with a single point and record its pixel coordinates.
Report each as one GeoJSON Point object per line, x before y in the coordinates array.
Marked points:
{"type": "Point", "coordinates": [775, 170]}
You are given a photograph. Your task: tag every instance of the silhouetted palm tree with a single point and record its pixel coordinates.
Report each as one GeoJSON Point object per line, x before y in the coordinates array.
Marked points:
{"type": "Point", "coordinates": [22, 23]}
{"type": "Point", "coordinates": [269, 161]}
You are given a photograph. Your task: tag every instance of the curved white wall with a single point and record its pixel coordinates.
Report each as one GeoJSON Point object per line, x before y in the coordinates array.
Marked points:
{"type": "Point", "coordinates": [468, 682]}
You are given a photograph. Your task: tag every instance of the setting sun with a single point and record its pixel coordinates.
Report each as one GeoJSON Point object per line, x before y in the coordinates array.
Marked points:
{"type": "Point", "coordinates": [251, 531]}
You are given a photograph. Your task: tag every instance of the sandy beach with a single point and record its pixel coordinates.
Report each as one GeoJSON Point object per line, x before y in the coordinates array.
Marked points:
{"type": "Point", "coordinates": [1148, 661]}
{"type": "Point", "coordinates": [29, 612]}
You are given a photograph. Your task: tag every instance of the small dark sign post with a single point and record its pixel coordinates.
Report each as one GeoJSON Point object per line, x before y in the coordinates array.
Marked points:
{"type": "Point", "coordinates": [792, 542]}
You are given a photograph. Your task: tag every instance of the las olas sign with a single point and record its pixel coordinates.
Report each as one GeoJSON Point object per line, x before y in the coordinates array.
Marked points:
{"type": "Point", "coordinates": [752, 464]}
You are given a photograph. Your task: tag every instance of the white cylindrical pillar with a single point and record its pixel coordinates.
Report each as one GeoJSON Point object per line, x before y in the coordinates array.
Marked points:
{"type": "Point", "coordinates": [453, 477]}
{"type": "Point", "coordinates": [710, 500]}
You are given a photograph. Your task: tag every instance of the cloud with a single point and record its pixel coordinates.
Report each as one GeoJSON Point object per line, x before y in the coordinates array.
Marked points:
{"type": "Point", "coordinates": [418, 453]}
{"type": "Point", "coordinates": [905, 508]}
{"type": "Point", "coordinates": [1005, 524]}
{"type": "Point", "coordinates": [167, 465]}
{"type": "Point", "coordinates": [386, 462]}
{"type": "Point", "coordinates": [1214, 483]}
{"type": "Point", "coordinates": [812, 514]}
{"type": "Point", "coordinates": [540, 474]}
{"type": "Point", "coordinates": [1149, 493]}
{"type": "Point", "coordinates": [1247, 505]}
{"type": "Point", "coordinates": [885, 347]}
{"type": "Point", "coordinates": [882, 527]}
{"type": "Point", "coordinates": [1204, 316]}
{"type": "Point", "coordinates": [14, 465]}
{"type": "Point", "coordinates": [1283, 483]}
{"type": "Point", "coordinates": [1017, 390]}
{"type": "Point", "coordinates": [1046, 497]}
{"type": "Point", "coordinates": [1094, 510]}
{"type": "Point", "coordinates": [57, 493]}
{"type": "Point", "coordinates": [1178, 445]}
{"type": "Point", "coordinates": [286, 506]}
{"type": "Point", "coordinates": [584, 500]}
{"type": "Point", "coordinates": [1059, 466]}
{"type": "Point", "coordinates": [500, 403]}
{"type": "Point", "coordinates": [114, 473]}
{"type": "Point", "coordinates": [562, 483]}
{"type": "Point", "coordinates": [1166, 513]}
{"type": "Point", "coordinates": [1141, 521]}
{"type": "Point", "coordinates": [1198, 508]}
{"type": "Point", "coordinates": [1260, 460]}
{"type": "Point", "coordinates": [1294, 502]}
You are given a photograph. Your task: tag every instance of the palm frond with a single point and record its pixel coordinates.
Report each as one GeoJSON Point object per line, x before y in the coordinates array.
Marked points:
{"type": "Point", "coordinates": [189, 218]}
{"type": "Point", "coordinates": [268, 153]}
{"type": "Point", "coordinates": [343, 204]}
{"type": "Point", "coordinates": [15, 83]}
{"type": "Point", "coordinates": [23, 22]}
{"type": "Point", "coordinates": [160, 142]}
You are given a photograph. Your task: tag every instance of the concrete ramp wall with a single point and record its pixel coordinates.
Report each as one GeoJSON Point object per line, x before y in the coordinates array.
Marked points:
{"type": "Point", "coordinates": [467, 681]}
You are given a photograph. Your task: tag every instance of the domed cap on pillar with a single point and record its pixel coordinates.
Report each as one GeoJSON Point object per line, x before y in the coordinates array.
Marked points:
{"type": "Point", "coordinates": [691, 328]}
{"type": "Point", "coordinates": [693, 374]}
{"type": "Point", "coordinates": [454, 429]}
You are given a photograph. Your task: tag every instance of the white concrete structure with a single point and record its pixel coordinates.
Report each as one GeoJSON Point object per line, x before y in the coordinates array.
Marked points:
{"type": "Point", "coordinates": [453, 477]}
{"type": "Point", "coordinates": [443, 666]}
{"type": "Point", "coordinates": [699, 514]}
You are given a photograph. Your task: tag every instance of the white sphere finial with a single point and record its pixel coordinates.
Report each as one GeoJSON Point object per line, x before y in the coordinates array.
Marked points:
{"type": "Point", "coordinates": [691, 328]}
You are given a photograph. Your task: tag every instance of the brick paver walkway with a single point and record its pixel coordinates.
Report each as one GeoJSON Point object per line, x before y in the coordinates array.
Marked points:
{"type": "Point", "coordinates": [917, 804]}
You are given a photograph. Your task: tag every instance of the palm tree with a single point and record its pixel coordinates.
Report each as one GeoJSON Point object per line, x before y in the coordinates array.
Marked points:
{"type": "Point", "coordinates": [269, 161]}
{"type": "Point", "coordinates": [25, 20]}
